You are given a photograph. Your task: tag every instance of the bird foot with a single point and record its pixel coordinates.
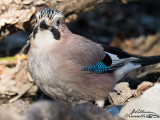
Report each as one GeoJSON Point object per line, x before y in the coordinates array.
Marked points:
{"type": "Point", "coordinates": [100, 103]}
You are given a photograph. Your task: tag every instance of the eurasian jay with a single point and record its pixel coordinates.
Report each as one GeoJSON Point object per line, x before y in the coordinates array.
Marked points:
{"type": "Point", "coordinates": [70, 67]}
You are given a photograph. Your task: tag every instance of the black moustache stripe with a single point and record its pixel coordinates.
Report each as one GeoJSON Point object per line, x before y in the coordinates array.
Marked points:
{"type": "Point", "coordinates": [55, 33]}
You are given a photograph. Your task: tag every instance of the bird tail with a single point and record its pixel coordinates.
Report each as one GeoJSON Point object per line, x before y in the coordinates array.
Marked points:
{"type": "Point", "coordinates": [136, 63]}
{"type": "Point", "coordinates": [147, 60]}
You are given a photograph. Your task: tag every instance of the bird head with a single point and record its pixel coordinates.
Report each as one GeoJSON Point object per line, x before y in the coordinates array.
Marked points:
{"type": "Point", "coordinates": [49, 26]}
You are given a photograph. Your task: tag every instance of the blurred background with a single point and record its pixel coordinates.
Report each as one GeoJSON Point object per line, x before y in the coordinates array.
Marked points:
{"type": "Point", "coordinates": [132, 25]}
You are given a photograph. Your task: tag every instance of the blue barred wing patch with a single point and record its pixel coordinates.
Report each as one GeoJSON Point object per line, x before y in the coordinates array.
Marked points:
{"type": "Point", "coordinates": [97, 68]}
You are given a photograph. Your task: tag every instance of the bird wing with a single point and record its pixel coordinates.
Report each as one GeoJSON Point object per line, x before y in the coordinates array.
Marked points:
{"type": "Point", "coordinates": [95, 57]}
{"type": "Point", "coordinates": [118, 57]}
{"type": "Point", "coordinates": [114, 59]}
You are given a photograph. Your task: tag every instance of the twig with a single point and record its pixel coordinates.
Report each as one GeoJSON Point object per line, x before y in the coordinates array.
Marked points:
{"type": "Point", "coordinates": [20, 94]}
{"type": "Point", "coordinates": [158, 79]}
{"type": "Point", "coordinates": [148, 72]}
{"type": "Point", "coordinates": [24, 47]}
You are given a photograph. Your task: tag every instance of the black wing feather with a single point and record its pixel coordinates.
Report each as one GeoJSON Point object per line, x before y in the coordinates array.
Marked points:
{"type": "Point", "coordinates": [123, 57]}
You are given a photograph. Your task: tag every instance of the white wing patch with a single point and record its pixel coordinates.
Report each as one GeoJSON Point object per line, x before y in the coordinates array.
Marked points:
{"type": "Point", "coordinates": [116, 60]}
{"type": "Point", "coordinates": [113, 56]}
{"type": "Point", "coordinates": [122, 65]}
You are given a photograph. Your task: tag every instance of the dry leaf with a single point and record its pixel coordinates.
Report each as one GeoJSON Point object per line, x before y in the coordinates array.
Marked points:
{"type": "Point", "coordinates": [143, 86]}
{"type": "Point", "coordinates": [122, 95]}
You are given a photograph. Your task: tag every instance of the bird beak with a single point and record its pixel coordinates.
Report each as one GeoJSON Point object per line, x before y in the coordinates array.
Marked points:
{"type": "Point", "coordinates": [43, 25]}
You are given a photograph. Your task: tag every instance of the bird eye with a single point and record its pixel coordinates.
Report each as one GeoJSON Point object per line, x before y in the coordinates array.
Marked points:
{"type": "Point", "coordinates": [58, 22]}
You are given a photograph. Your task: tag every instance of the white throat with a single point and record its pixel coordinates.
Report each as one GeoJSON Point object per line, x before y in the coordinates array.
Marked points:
{"type": "Point", "coordinates": [44, 38]}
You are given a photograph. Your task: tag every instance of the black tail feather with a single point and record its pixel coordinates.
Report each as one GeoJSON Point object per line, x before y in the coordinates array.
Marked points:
{"type": "Point", "coordinates": [148, 60]}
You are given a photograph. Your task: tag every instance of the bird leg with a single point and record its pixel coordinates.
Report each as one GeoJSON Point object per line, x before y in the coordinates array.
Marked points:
{"type": "Point", "coordinates": [100, 103]}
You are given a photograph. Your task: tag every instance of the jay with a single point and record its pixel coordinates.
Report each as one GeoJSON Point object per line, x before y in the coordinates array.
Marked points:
{"type": "Point", "coordinates": [72, 68]}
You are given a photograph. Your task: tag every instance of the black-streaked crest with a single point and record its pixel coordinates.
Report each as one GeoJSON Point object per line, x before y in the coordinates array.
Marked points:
{"type": "Point", "coordinates": [50, 13]}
